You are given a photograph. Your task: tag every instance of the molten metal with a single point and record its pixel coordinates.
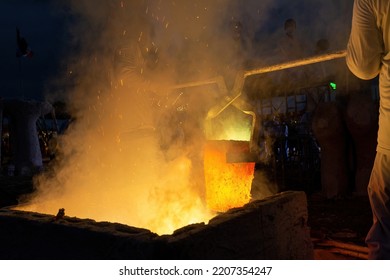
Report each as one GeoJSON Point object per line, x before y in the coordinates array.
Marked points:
{"type": "Point", "coordinates": [228, 185]}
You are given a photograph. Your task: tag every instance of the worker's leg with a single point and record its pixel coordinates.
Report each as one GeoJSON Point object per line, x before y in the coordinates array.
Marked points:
{"type": "Point", "coordinates": [378, 238]}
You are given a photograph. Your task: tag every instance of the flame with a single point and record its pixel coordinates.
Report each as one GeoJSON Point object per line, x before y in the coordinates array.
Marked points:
{"type": "Point", "coordinates": [228, 185]}
{"type": "Point", "coordinates": [122, 177]}
{"type": "Point", "coordinates": [104, 194]}
{"type": "Point", "coordinates": [100, 175]}
{"type": "Point", "coordinates": [117, 177]}
{"type": "Point", "coordinates": [171, 204]}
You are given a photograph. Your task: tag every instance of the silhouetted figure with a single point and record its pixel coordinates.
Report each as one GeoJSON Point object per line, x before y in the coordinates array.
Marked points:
{"type": "Point", "coordinates": [290, 48]}
{"type": "Point", "coordinates": [26, 150]}
{"type": "Point", "coordinates": [289, 45]}
{"type": "Point", "coordinates": [23, 48]}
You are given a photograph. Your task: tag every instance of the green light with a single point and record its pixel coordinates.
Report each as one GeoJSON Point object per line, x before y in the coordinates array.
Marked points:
{"type": "Point", "coordinates": [333, 85]}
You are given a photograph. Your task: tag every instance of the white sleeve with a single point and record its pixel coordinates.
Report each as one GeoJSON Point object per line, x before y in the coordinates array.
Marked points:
{"type": "Point", "coordinates": [365, 47]}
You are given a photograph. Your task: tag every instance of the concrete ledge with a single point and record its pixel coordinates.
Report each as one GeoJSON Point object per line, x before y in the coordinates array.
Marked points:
{"type": "Point", "coordinates": [273, 228]}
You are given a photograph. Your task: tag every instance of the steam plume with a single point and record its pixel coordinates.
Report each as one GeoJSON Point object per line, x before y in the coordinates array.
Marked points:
{"type": "Point", "coordinates": [106, 171]}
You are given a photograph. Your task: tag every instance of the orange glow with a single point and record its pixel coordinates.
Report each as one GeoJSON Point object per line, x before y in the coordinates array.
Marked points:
{"type": "Point", "coordinates": [110, 165]}
{"type": "Point", "coordinates": [228, 185]}
{"type": "Point", "coordinates": [170, 205]}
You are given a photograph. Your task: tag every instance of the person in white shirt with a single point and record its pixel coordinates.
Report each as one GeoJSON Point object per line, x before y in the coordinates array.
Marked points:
{"type": "Point", "coordinates": [368, 55]}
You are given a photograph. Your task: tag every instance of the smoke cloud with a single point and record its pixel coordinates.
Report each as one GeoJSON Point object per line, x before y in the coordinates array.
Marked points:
{"type": "Point", "coordinates": [134, 151]}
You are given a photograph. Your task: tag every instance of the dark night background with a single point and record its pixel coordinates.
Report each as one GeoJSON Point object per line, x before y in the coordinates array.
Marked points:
{"type": "Point", "coordinates": [43, 28]}
{"type": "Point", "coordinates": [43, 24]}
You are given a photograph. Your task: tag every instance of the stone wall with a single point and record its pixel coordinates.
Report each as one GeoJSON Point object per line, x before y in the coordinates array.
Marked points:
{"type": "Point", "coordinates": [273, 228]}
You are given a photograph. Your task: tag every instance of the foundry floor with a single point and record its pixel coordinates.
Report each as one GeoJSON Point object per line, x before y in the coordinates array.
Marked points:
{"type": "Point", "coordinates": [344, 221]}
